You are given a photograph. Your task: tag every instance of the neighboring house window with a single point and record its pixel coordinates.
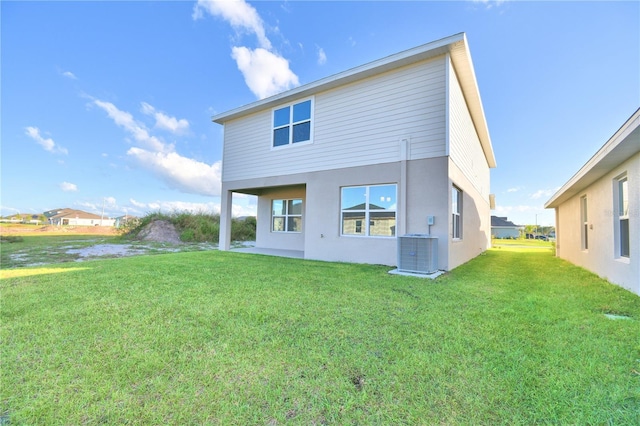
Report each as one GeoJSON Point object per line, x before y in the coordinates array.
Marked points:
{"type": "Point", "coordinates": [286, 215]}
{"type": "Point", "coordinates": [292, 124]}
{"type": "Point", "coordinates": [369, 211]}
{"type": "Point", "coordinates": [621, 209]}
{"type": "Point", "coordinates": [456, 213]}
{"type": "Point", "coordinates": [584, 229]}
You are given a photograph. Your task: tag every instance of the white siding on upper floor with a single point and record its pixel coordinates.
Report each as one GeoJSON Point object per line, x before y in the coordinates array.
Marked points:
{"type": "Point", "coordinates": [354, 125]}
{"type": "Point", "coordinates": [464, 145]}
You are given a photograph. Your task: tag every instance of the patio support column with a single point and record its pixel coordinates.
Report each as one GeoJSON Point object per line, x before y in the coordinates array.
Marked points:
{"type": "Point", "coordinates": [226, 202]}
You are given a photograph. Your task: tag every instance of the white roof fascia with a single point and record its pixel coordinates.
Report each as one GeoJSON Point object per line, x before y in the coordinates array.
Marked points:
{"type": "Point", "coordinates": [622, 145]}
{"type": "Point", "coordinates": [462, 63]}
{"type": "Point", "coordinates": [456, 45]}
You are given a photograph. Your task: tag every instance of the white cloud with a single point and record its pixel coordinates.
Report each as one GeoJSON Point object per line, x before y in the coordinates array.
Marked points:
{"type": "Point", "coordinates": [137, 203]}
{"type": "Point", "coordinates": [47, 143]}
{"type": "Point", "coordinates": [166, 122]}
{"type": "Point", "coordinates": [519, 209]}
{"type": "Point", "coordinates": [181, 173]}
{"type": "Point", "coordinates": [68, 187]}
{"type": "Point", "coordinates": [70, 75]}
{"type": "Point", "coordinates": [516, 189]}
{"type": "Point", "coordinates": [178, 172]}
{"type": "Point", "coordinates": [176, 206]}
{"type": "Point", "coordinates": [239, 14]}
{"type": "Point", "coordinates": [264, 72]}
{"type": "Point", "coordinates": [546, 193]}
{"type": "Point", "coordinates": [135, 128]}
{"type": "Point", "coordinates": [490, 3]}
{"type": "Point", "coordinates": [11, 209]}
{"type": "Point", "coordinates": [238, 210]}
{"type": "Point", "coordinates": [322, 56]}
{"type": "Point", "coordinates": [92, 207]}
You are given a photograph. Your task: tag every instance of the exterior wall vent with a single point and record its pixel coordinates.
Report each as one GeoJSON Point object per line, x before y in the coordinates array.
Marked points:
{"type": "Point", "coordinates": [418, 253]}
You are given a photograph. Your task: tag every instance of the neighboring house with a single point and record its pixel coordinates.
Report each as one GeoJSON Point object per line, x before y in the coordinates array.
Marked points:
{"type": "Point", "coordinates": [344, 165]}
{"type": "Point", "coordinates": [502, 228]}
{"type": "Point", "coordinates": [59, 217]}
{"type": "Point", "coordinates": [598, 210]}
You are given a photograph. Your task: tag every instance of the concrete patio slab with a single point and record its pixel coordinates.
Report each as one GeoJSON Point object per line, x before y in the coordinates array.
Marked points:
{"type": "Point", "coordinates": [295, 254]}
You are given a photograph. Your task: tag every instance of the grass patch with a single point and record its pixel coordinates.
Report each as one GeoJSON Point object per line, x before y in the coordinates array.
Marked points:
{"type": "Point", "coordinates": [11, 239]}
{"type": "Point", "coordinates": [46, 249]}
{"type": "Point", "coordinates": [230, 338]}
{"type": "Point", "coordinates": [36, 250]}
{"type": "Point", "coordinates": [522, 244]}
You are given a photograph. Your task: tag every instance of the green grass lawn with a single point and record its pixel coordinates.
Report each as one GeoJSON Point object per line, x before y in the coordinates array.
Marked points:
{"type": "Point", "coordinates": [521, 243]}
{"type": "Point", "coordinates": [20, 251]}
{"type": "Point", "coordinates": [230, 338]}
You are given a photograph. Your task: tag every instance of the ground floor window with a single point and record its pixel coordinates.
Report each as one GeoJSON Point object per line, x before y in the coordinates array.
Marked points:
{"type": "Point", "coordinates": [621, 209]}
{"type": "Point", "coordinates": [369, 211]}
{"type": "Point", "coordinates": [286, 215]}
{"type": "Point", "coordinates": [584, 228]}
{"type": "Point", "coordinates": [456, 213]}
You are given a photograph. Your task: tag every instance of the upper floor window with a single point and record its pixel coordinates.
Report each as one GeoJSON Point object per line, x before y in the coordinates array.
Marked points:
{"type": "Point", "coordinates": [369, 211]}
{"type": "Point", "coordinates": [292, 123]}
{"type": "Point", "coordinates": [456, 213]}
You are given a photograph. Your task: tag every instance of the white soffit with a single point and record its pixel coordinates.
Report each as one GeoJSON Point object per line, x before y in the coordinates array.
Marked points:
{"type": "Point", "coordinates": [620, 147]}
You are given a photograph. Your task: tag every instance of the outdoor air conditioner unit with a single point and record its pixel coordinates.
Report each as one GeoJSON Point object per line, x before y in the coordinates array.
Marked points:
{"type": "Point", "coordinates": [418, 253]}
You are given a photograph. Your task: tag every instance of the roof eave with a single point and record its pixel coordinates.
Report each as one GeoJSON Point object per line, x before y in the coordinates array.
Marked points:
{"type": "Point", "coordinates": [626, 139]}
{"type": "Point", "coordinates": [455, 45]}
{"type": "Point", "coordinates": [416, 54]}
{"type": "Point", "coordinates": [462, 62]}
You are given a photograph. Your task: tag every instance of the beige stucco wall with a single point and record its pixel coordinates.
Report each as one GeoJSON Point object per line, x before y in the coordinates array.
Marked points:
{"type": "Point", "coordinates": [265, 237]}
{"type": "Point", "coordinates": [476, 220]}
{"type": "Point", "coordinates": [423, 189]}
{"type": "Point", "coordinates": [600, 257]}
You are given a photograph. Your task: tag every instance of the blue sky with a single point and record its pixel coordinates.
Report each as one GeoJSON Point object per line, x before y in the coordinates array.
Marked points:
{"type": "Point", "coordinates": [110, 103]}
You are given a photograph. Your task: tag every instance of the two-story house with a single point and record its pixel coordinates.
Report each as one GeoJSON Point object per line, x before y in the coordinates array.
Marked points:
{"type": "Point", "coordinates": [344, 165]}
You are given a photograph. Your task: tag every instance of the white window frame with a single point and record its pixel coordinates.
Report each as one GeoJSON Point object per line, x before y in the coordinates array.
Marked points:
{"type": "Point", "coordinates": [286, 216]}
{"type": "Point", "coordinates": [584, 225]}
{"type": "Point", "coordinates": [366, 221]}
{"type": "Point", "coordinates": [290, 125]}
{"type": "Point", "coordinates": [456, 212]}
{"type": "Point", "coordinates": [621, 216]}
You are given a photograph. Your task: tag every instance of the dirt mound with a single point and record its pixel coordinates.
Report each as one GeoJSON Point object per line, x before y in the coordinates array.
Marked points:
{"type": "Point", "coordinates": [160, 231]}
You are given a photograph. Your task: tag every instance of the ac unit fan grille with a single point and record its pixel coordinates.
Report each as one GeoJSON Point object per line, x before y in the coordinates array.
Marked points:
{"type": "Point", "coordinates": [418, 253]}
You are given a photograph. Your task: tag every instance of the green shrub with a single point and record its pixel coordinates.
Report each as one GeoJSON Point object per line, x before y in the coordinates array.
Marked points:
{"type": "Point", "coordinates": [187, 235]}
{"type": "Point", "coordinates": [243, 229]}
{"type": "Point", "coordinates": [196, 227]}
{"type": "Point", "coordinates": [11, 239]}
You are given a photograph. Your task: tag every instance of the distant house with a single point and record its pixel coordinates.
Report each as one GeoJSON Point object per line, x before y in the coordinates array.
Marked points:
{"type": "Point", "coordinates": [345, 165]}
{"type": "Point", "coordinates": [33, 219]}
{"type": "Point", "coordinates": [598, 210]}
{"type": "Point", "coordinates": [502, 228]}
{"type": "Point", "coordinates": [61, 217]}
